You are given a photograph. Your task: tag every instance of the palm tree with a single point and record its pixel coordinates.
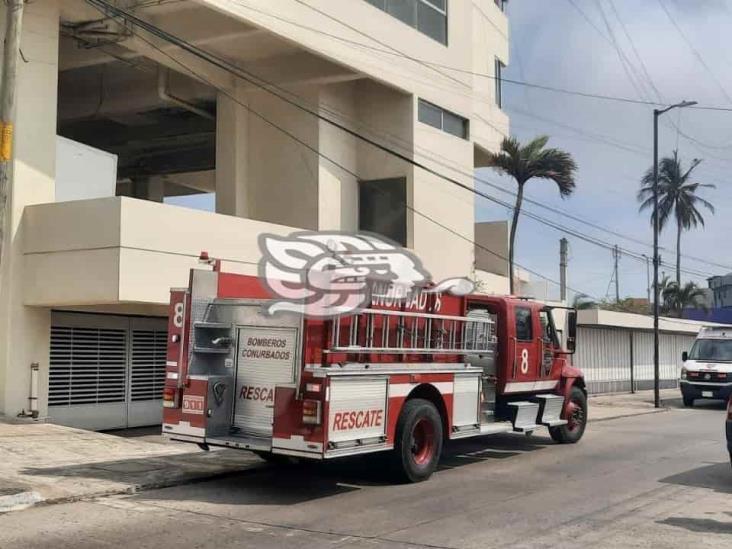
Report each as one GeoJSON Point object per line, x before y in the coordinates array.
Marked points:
{"type": "Point", "coordinates": [677, 298]}
{"type": "Point", "coordinates": [677, 196]}
{"type": "Point", "coordinates": [527, 162]}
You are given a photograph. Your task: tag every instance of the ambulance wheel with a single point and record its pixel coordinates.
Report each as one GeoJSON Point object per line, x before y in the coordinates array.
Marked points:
{"type": "Point", "coordinates": [418, 441]}
{"type": "Point", "coordinates": [576, 419]}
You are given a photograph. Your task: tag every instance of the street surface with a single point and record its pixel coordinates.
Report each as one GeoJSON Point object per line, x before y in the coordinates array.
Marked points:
{"type": "Point", "coordinates": [658, 480]}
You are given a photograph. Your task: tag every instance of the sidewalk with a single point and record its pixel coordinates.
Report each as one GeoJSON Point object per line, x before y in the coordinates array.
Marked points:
{"type": "Point", "coordinates": [43, 462]}
{"type": "Point", "coordinates": [614, 406]}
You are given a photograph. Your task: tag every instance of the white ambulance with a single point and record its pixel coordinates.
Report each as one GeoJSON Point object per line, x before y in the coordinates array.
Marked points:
{"type": "Point", "coordinates": [707, 369]}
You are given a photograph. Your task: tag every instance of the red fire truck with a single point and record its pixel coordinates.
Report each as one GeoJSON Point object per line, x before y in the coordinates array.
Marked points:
{"type": "Point", "coordinates": [402, 375]}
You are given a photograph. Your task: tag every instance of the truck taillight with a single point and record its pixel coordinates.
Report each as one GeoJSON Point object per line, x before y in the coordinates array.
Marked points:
{"type": "Point", "coordinates": [169, 397]}
{"type": "Point", "coordinates": [311, 412]}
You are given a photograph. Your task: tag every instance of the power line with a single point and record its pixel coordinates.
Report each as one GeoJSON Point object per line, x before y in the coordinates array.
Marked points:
{"type": "Point", "coordinates": [694, 51]}
{"type": "Point", "coordinates": [394, 50]}
{"type": "Point", "coordinates": [103, 6]}
{"type": "Point", "coordinates": [555, 89]}
{"type": "Point", "coordinates": [269, 87]}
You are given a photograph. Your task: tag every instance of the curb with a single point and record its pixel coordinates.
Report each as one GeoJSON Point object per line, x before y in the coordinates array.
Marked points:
{"type": "Point", "coordinates": [21, 500]}
{"type": "Point", "coordinates": [640, 413]}
{"type": "Point", "coordinates": [38, 500]}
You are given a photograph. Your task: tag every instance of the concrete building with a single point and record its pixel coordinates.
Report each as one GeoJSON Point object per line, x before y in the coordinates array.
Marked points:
{"type": "Point", "coordinates": [721, 292]}
{"type": "Point", "coordinates": [112, 121]}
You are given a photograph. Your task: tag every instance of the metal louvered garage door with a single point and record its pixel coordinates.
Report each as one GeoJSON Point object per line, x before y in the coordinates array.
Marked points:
{"type": "Point", "coordinates": [149, 338]}
{"type": "Point", "coordinates": [106, 372]}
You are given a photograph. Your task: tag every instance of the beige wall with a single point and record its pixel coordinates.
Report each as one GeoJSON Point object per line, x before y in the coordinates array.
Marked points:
{"type": "Point", "coordinates": [492, 235]}
{"type": "Point", "coordinates": [118, 253]}
{"type": "Point", "coordinates": [124, 250]}
{"type": "Point", "coordinates": [25, 331]}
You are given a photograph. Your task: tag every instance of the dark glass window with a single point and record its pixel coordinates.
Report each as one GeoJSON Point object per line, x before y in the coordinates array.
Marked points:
{"type": "Point", "coordinates": [444, 120]}
{"type": "Point", "coordinates": [523, 324]}
{"type": "Point", "coordinates": [404, 10]}
{"type": "Point", "coordinates": [382, 208]}
{"type": "Point", "coordinates": [430, 114]}
{"type": "Point", "coordinates": [432, 22]}
{"type": "Point", "coordinates": [499, 82]}
{"type": "Point", "coordinates": [427, 16]}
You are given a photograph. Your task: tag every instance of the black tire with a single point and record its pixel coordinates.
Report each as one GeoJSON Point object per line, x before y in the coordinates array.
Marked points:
{"type": "Point", "coordinates": [418, 442]}
{"type": "Point", "coordinates": [688, 401]}
{"type": "Point", "coordinates": [277, 459]}
{"type": "Point", "coordinates": [576, 422]}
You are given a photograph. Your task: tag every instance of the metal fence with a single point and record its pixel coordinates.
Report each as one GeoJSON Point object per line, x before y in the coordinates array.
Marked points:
{"type": "Point", "coordinates": [621, 359]}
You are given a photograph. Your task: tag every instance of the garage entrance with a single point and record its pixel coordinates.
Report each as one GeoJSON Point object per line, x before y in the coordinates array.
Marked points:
{"type": "Point", "coordinates": [106, 371]}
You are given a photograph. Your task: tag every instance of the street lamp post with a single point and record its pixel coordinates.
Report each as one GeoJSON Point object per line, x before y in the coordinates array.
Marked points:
{"type": "Point", "coordinates": [656, 366]}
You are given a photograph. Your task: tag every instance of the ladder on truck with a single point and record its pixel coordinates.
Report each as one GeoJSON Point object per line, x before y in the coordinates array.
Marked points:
{"type": "Point", "coordinates": [402, 332]}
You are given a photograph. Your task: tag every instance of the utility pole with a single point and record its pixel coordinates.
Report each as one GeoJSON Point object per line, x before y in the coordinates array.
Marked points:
{"type": "Point", "coordinates": [616, 257]}
{"type": "Point", "coordinates": [563, 248]}
{"type": "Point", "coordinates": [11, 50]}
{"type": "Point", "coordinates": [656, 258]}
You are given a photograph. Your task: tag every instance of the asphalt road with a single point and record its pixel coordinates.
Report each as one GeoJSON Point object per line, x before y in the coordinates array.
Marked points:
{"type": "Point", "coordinates": [659, 480]}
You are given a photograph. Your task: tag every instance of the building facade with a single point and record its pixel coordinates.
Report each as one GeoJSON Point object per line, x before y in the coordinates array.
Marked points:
{"type": "Point", "coordinates": [295, 114]}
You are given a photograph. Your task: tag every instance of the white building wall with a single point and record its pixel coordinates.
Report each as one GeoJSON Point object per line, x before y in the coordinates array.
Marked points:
{"type": "Point", "coordinates": [610, 357]}
{"type": "Point", "coordinates": [25, 331]}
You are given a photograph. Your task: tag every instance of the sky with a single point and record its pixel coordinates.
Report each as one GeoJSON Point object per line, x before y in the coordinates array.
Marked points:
{"type": "Point", "coordinates": [567, 44]}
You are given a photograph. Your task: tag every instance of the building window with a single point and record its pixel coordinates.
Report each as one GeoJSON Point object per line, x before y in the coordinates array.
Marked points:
{"type": "Point", "coordinates": [439, 118]}
{"type": "Point", "coordinates": [523, 324]}
{"type": "Point", "coordinates": [427, 16]}
{"type": "Point", "coordinates": [382, 208]}
{"type": "Point", "coordinates": [499, 82]}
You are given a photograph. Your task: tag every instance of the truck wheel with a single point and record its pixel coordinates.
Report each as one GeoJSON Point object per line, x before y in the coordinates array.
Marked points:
{"type": "Point", "coordinates": [688, 401]}
{"type": "Point", "coordinates": [576, 419]}
{"type": "Point", "coordinates": [418, 441]}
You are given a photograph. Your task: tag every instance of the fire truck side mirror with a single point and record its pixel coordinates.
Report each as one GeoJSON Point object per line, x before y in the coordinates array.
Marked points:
{"type": "Point", "coordinates": [571, 331]}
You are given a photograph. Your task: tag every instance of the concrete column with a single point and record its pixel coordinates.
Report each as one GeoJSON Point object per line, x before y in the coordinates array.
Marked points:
{"type": "Point", "coordinates": [25, 331]}
{"type": "Point", "coordinates": [149, 188]}
{"type": "Point", "coordinates": [232, 127]}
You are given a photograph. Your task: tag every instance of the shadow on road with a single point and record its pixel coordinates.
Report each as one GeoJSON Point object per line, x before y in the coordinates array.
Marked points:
{"type": "Point", "coordinates": [714, 476]}
{"type": "Point", "coordinates": [706, 526]}
{"type": "Point", "coordinates": [701, 404]}
{"type": "Point", "coordinates": [308, 481]}
{"type": "Point", "coordinates": [248, 480]}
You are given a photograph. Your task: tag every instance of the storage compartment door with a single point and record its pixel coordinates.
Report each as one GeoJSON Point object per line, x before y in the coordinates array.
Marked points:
{"type": "Point", "coordinates": [357, 410]}
{"type": "Point", "coordinates": [466, 401]}
{"type": "Point", "coordinates": [266, 357]}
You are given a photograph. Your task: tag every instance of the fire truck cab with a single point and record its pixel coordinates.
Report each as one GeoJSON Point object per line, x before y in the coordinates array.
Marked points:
{"type": "Point", "coordinates": [401, 376]}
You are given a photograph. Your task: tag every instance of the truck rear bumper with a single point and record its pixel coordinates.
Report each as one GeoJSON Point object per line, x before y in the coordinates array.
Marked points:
{"type": "Point", "coordinates": [695, 389]}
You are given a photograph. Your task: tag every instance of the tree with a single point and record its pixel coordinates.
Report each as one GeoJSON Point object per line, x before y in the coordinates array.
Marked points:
{"type": "Point", "coordinates": [676, 298]}
{"type": "Point", "coordinates": [583, 302]}
{"type": "Point", "coordinates": [676, 196]}
{"type": "Point", "coordinates": [528, 162]}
